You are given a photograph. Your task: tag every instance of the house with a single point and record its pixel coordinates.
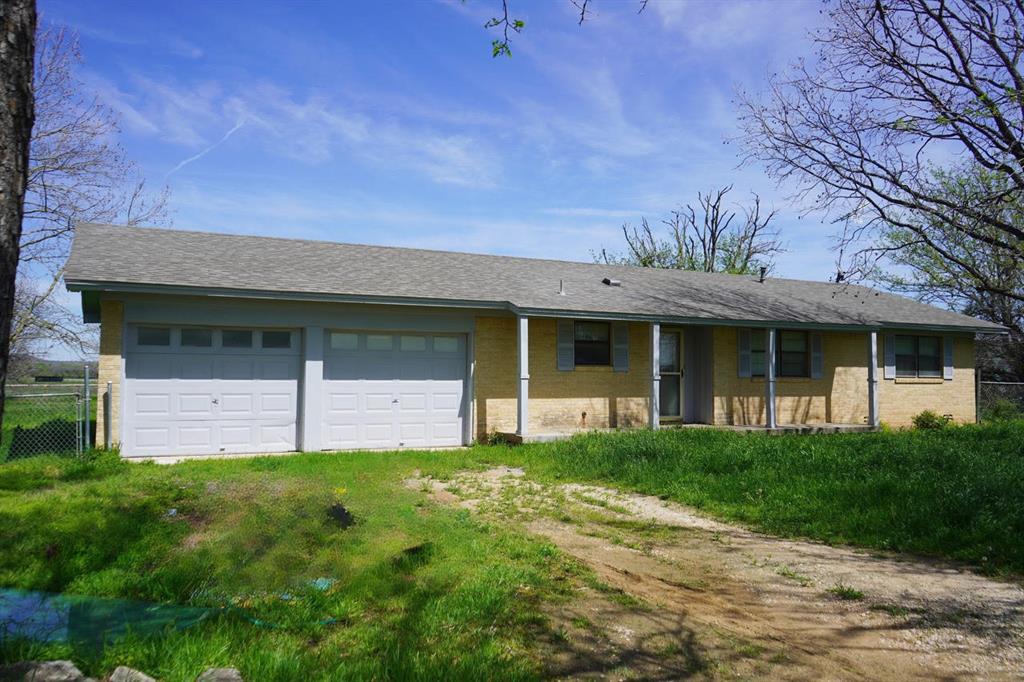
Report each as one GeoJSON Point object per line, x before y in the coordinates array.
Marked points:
{"type": "Point", "coordinates": [213, 343]}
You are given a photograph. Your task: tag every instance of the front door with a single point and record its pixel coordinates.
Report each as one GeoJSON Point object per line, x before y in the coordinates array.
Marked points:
{"type": "Point", "coordinates": [670, 400]}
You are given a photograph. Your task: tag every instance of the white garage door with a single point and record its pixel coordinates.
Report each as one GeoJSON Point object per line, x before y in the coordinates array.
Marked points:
{"type": "Point", "coordinates": [198, 390]}
{"type": "Point", "coordinates": [386, 390]}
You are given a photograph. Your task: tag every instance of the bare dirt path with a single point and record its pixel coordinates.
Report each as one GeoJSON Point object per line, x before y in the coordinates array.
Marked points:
{"type": "Point", "coordinates": [679, 595]}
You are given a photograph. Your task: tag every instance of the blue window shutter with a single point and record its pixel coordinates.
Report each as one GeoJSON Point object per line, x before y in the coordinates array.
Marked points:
{"type": "Point", "coordinates": [890, 356]}
{"type": "Point", "coordinates": [743, 348]}
{"type": "Point", "coordinates": [620, 346]}
{"type": "Point", "coordinates": [947, 354]}
{"type": "Point", "coordinates": [817, 358]}
{"type": "Point", "coordinates": [566, 346]}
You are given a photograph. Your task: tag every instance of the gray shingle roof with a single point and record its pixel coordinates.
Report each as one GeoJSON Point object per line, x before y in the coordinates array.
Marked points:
{"type": "Point", "coordinates": [113, 257]}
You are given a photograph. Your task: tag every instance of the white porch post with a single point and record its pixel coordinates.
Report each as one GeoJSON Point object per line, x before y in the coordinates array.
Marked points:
{"type": "Point", "coordinates": [873, 379]}
{"type": "Point", "coordinates": [312, 388]}
{"type": "Point", "coordinates": [769, 384]}
{"type": "Point", "coordinates": [523, 397]}
{"type": "Point", "coordinates": [654, 403]}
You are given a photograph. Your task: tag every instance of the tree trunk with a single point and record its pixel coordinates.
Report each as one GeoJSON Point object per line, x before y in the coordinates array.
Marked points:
{"type": "Point", "coordinates": [17, 52]}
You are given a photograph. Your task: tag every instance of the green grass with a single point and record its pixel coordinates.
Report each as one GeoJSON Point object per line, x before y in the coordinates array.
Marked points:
{"type": "Point", "coordinates": [428, 591]}
{"type": "Point", "coordinates": [422, 591]}
{"type": "Point", "coordinates": [956, 492]}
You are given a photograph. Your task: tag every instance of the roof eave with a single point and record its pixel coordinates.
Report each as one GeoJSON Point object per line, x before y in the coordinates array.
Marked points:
{"type": "Point", "coordinates": [84, 286]}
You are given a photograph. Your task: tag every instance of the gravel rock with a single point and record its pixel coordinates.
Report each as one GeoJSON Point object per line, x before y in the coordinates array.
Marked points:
{"type": "Point", "coordinates": [220, 675]}
{"type": "Point", "coordinates": [123, 673]}
{"type": "Point", "coordinates": [45, 671]}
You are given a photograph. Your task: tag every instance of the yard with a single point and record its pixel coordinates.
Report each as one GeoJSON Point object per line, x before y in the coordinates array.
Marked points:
{"type": "Point", "coordinates": [425, 585]}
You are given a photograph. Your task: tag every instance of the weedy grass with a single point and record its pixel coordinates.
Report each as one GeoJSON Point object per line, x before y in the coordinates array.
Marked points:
{"type": "Point", "coordinates": [957, 492]}
{"type": "Point", "coordinates": [422, 590]}
{"type": "Point", "coordinates": [419, 590]}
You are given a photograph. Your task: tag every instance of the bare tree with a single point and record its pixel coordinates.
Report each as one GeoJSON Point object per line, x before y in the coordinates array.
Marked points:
{"type": "Point", "coordinates": [900, 87]}
{"type": "Point", "coordinates": [17, 45]}
{"type": "Point", "coordinates": [77, 173]}
{"type": "Point", "coordinates": [707, 238]}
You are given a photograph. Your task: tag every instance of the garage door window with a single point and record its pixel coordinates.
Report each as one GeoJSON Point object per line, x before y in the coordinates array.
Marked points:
{"type": "Point", "coordinates": [378, 342]}
{"type": "Point", "coordinates": [197, 338]}
{"type": "Point", "coordinates": [413, 343]}
{"type": "Point", "coordinates": [341, 341]}
{"type": "Point", "coordinates": [236, 338]}
{"type": "Point", "coordinates": [277, 339]}
{"type": "Point", "coordinates": [154, 336]}
{"type": "Point", "coordinates": [446, 344]}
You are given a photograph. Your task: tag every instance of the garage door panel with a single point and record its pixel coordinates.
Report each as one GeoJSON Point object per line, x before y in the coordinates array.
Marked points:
{"type": "Point", "coordinates": [236, 404]}
{"type": "Point", "coordinates": [447, 432]}
{"type": "Point", "coordinates": [153, 404]}
{"type": "Point", "coordinates": [278, 369]}
{"type": "Point", "coordinates": [196, 368]}
{"type": "Point", "coordinates": [378, 402]}
{"type": "Point", "coordinates": [276, 403]}
{"type": "Point", "coordinates": [236, 435]}
{"type": "Point", "coordinates": [449, 400]}
{"type": "Point", "coordinates": [195, 436]}
{"type": "Point", "coordinates": [240, 369]}
{"type": "Point", "coordinates": [343, 403]}
{"type": "Point", "coordinates": [149, 367]}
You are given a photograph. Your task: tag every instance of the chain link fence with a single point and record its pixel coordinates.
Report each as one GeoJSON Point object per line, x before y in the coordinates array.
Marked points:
{"type": "Point", "coordinates": [1001, 400]}
{"type": "Point", "coordinates": [40, 419]}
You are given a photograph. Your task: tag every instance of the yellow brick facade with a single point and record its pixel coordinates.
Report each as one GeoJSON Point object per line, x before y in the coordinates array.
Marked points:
{"type": "Point", "coordinates": [839, 397]}
{"type": "Point", "coordinates": [558, 400]}
{"type": "Point", "coordinates": [586, 398]}
{"type": "Point", "coordinates": [111, 348]}
{"type": "Point", "coordinates": [901, 398]}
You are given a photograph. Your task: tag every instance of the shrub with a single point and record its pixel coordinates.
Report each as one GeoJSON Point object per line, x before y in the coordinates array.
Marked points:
{"type": "Point", "coordinates": [1002, 410]}
{"type": "Point", "coordinates": [930, 420]}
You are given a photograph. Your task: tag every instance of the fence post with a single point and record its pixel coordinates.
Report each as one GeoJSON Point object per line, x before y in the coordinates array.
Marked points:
{"type": "Point", "coordinates": [86, 432]}
{"type": "Point", "coordinates": [977, 395]}
{"type": "Point", "coordinates": [106, 415]}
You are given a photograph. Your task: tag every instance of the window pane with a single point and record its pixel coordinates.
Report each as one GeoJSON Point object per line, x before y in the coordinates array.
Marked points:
{"type": "Point", "coordinates": [757, 340]}
{"type": "Point", "coordinates": [592, 331]}
{"type": "Point", "coordinates": [341, 341]}
{"type": "Point", "coordinates": [793, 341]}
{"type": "Point", "coordinates": [154, 336]}
{"type": "Point", "coordinates": [906, 345]}
{"type": "Point", "coordinates": [668, 392]}
{"type": "Point", "coordinates": [446, 344]}
{"type": "Point", "coordinates": [276, 339]}
{"type": "Point", "coordinates": [413, 343]}
{"type": "Point", "coordinates": [236, 338]}
{"type": "Point", "coordinates": [929, 356]}
{"type": "Point", "coordinates": [792, 364]}
{"type": "Point", "coordinates": [669, 352]}
{"type": "Point", "coordinates": [592, 343]}
{"type": "Point", "coordinates": [906, 356]}
{"type": "Point", "coordinates": [757, 363]}
{"type": "Point", "coordinates": [378, 342]}
{"type": "Point", "coordinates": [197, 338]}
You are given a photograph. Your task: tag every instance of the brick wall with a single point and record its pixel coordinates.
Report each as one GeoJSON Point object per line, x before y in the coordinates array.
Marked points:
{"type": "Point", "coordinates": [111, 346]}
{"type": "Point", "coordinates": [558, 400]}
{"type": "Point", "coordinates": [841, 395]}
{"type": "Point", "coordinates": [902, 398]}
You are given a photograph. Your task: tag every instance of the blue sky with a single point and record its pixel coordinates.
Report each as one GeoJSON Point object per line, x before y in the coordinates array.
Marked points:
{"type": "Point", "coordinates": [390, 123]}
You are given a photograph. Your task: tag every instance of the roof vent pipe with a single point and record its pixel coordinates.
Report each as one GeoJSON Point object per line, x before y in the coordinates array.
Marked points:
{"type": "Point", "coordinates": [764, 271]}
{"type": "Point", "coordinates": [561, 287]}
{"type": "Point", "coordinates": [611, 282]}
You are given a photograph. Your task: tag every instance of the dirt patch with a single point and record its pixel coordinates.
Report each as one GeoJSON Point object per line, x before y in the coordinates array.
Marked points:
{"type": "Point", "coordinates": [678, 594]}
